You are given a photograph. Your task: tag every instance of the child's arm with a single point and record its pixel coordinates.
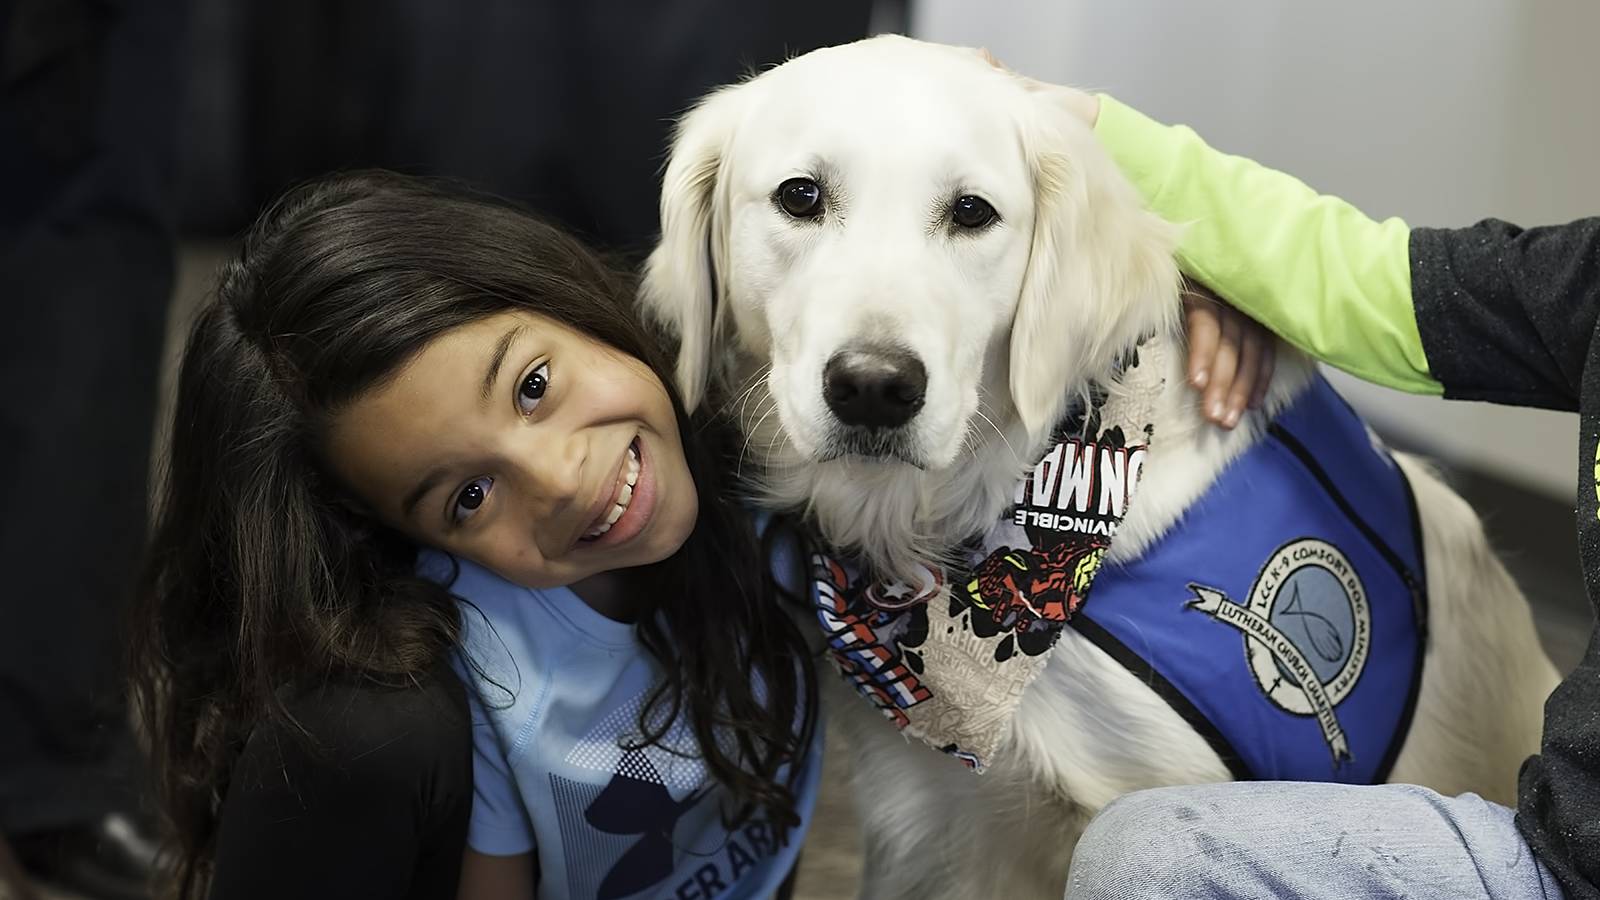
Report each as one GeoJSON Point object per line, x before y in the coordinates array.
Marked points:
{"type": "Point", "coordinates": [499, 826]}
{"type": "Point", "coordinates": [1314, 269]}
{"type": "Point", "coordinates": [1491, 312]}
{"type": "Point", "coordinates": [485, 877]}
{"type": "Point", "coordinates": [1507, 314]}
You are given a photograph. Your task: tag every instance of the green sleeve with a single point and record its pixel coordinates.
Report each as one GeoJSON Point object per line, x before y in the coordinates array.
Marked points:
{"type": "Point", "coordinates": [1312, 268]}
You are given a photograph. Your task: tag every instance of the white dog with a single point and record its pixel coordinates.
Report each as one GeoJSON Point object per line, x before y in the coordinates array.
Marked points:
{"type": "Point", "coordinates": [907, 268]}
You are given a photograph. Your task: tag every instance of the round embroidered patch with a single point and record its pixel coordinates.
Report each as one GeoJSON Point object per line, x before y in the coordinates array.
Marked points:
{"type": "Point", "coordinates": [1315, 601]}
{"type": "Point", "coordinates": [1307, 631]}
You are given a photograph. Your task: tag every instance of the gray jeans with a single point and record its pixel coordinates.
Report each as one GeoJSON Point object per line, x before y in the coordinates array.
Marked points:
{"type": "Point", "coordinates": [1280, 839]}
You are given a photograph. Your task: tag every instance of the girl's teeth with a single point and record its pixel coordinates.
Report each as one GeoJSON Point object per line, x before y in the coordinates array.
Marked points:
{"type": "Point", "coordinates": [624, 497]}
{"type": "Point", "coordinates": [617, 509]}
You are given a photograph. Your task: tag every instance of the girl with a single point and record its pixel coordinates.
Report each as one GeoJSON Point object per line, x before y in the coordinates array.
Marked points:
{"type": "Point", "coordinates": [389, 366]}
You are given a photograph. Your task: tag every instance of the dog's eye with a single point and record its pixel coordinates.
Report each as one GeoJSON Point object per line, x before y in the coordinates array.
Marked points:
{"type": "Point", "coordinates": [800, 197]}
{"type": "Point", "coordinates": [972, 212]}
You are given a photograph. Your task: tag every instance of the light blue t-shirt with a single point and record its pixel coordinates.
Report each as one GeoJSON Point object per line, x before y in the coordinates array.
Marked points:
{"type": "Point", "coordinates": [555, 691]}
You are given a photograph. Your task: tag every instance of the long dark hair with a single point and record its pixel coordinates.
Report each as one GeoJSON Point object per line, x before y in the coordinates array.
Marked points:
{"type": "Point", "coordinates": [264, 575]}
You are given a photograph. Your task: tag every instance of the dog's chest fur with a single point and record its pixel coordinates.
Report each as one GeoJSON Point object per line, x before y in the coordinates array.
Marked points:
{"type": "Point", "coordinates": [900, 519]}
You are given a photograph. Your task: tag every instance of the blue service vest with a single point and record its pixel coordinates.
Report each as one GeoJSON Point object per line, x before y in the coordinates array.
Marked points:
{"type": "Point", "coordinates": [1303, 559]}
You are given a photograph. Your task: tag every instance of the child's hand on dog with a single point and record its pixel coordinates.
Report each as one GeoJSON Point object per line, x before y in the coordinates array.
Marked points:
{"type": "Point", "coordinates": [1230, 356]}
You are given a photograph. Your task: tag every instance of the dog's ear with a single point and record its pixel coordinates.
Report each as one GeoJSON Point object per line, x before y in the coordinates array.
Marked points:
{"type": "Point", "coordinates": [679, 276]}
{"type": "Point", "coordinates": [1101, 273]}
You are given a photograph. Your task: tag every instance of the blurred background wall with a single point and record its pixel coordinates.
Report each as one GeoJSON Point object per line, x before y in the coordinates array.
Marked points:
{"type": "Point", "coordinates": [1441, 112]}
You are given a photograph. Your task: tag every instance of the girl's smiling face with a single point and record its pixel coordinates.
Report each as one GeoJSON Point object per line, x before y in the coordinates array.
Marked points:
{"type": "Point", "coordinates": [525, 446]}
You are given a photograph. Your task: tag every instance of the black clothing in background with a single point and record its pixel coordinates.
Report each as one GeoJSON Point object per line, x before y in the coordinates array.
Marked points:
{"type": "Point", "coordinates": [374, 806]}
{"type": "Point", "coordinates": [567, 106]}
{"type": "Point", "coordinates": [89, 96]}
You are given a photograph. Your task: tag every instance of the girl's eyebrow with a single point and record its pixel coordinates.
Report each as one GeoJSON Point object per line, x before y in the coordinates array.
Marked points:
{"type": "Point", "coordinates": [499, 358]}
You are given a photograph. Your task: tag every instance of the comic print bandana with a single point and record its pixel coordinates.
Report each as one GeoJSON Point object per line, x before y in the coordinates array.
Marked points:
{"type": "Point", "coordinates": [947, 659]}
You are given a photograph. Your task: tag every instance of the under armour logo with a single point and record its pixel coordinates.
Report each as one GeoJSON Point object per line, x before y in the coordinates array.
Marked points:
{"type": "Point", "coordinates": [630, 805]}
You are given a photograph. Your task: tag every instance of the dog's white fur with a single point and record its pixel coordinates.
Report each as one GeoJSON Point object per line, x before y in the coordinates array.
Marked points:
{"type": "Point", "coordinates": [1012, 323]}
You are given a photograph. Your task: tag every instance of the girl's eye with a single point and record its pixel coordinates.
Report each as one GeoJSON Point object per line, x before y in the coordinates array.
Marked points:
{"type": "Point", "coordinates": [470, 498]}
{"type": "Point", "coordinates": [532, 389]}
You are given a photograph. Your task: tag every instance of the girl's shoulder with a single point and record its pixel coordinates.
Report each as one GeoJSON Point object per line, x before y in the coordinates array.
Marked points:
{"type": "Point", "coordinates": [470, 582]}
{"type": "Point", "coordinates": [507, 626]}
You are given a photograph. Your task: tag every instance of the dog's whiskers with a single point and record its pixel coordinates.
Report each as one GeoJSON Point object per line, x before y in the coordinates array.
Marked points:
{"type": "Point", "coordinates": [1001, 434]}
{"type": "Point", "coordinates": [746, 390]}
{"type": "Point", "coordinates": [766, 461]}
{"type": "Point", "coordinates": [758, 381]}
{"type": "Point", "coordinates": [970, 443]}
{"type": "Point", "coordinates": [982, 396]}
{"type": "Point", "coordinates": [749, 435]}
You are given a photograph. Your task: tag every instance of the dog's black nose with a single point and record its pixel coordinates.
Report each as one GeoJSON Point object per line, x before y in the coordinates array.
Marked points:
{"type": "Point", "coordinates": [874, 386]}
